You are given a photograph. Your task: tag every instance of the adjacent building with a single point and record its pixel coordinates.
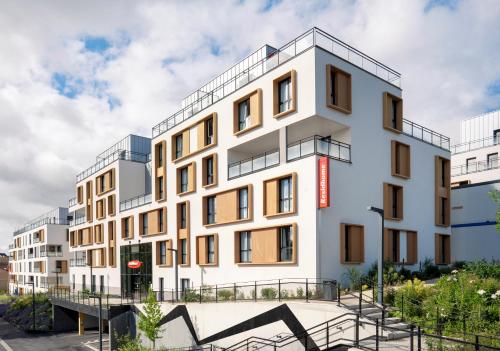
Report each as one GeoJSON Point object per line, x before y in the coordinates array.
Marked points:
{"type": "Point", "coordinates": [4, 272]}
{"type": "Point", "coordinates": [38, 254]}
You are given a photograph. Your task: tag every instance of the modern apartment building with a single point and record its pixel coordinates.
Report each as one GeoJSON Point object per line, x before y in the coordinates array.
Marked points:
{"type": "Point", "coordinates": [266, 172]}
{"type": "Point", "coordinates": [38, 254]}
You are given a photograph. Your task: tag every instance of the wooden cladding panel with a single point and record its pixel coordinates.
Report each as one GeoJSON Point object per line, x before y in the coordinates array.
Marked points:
{"type": "Point", "coordinates": [101, 209]}
{"type": "Point", "coordinates": [98, 257]}
{"type": "Point", "coordinates": [227, 207]}
{"type": "Point", "coordinates": [168, 253]}
{"type": "Point", "coordinates": [99, 233]}
{"type": "Point", "coordinates": [389, 101]}
{"type": "Point", "coordinates": [389, 190]}
{"type": "Point", "coordinates": [293, 92]}
{"type": "Point", "coordinates": [264, 245]}
{"type": "Point", "coordinates": [411, 247]}
{"type": "Point", "coordinates": [79, 194]}
{"type": "Point", "coordinates": [442, 191]}
{"type": "Point", "coordinates": [272, 193]}
{"type": "Point", "coordinates": [112, 205]}
{"type": "Point", "coordinates": [400, 159]}
{"type": "Point", "coordinates": [191, 186]}
{"type": "Point", "coordinates": [160, 171]}
{"type": "Point", "coordinates": [130, 220]}
{"type": "Point", "coordinates": [183, 233]}
{"type": "Point", "coordinates": [442, 247]}
{"type": "Point", "coordinates": [339, 96]}
{"type": "Point", "coordinates": [153, 222]}
{"type": "Point", "coordinates": [255, 98]}
{"type": "Point", "coordinates": [105, 182]}
{"type": "Point", "coordinates": [89, 208]}
{"type": "Point", "coordinates": [352, 251]}
{"type": "Point", "coordinates": [112, 244]}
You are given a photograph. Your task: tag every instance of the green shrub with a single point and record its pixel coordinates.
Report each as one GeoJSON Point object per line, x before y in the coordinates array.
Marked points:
{"type": "Point", "coordinates": [430, 270]}
{"type": "Point", "coordinates": [300, 292]}
{"type": "Point", "coordinates": [484, 269]}
{"type": "Point", "coordinates": [190, 295]}
{"type": "Point", "coordinates": [268, 293]}
{"type": "Point", "coordinates": [410, 297]}
{"type": "Point", "coordinates": [225, 294]}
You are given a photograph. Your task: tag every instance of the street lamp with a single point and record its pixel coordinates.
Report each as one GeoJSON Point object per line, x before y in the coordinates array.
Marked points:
{"type": "Point", "coordinates": [380, 280]}
{"type": "Point", "coordinates": [99, 314]}
{"type": "Point", "coordinates": [33, 301]}
{"type": "Point", "coordinates": [176, 274]}
{"type": "Point", "coordinates": [91, 280]}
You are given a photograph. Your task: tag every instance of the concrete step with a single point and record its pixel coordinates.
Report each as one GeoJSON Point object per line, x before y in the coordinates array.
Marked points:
{"type": "Point", "coordinates": [397, 334]}
{"type": "Point", "coordinates": [392, 320]}
{"type": "Point", "coordinates": [356, 306]}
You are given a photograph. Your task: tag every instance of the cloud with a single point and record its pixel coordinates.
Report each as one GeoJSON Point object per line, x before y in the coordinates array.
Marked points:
{"type": "Point", "coordinates": [76, 76]}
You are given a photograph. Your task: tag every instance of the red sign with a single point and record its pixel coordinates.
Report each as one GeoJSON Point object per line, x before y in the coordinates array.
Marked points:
{"type": "Point", "coordinates": [324, 182]}
{"type": "Point", "coordinates": [134, 264]}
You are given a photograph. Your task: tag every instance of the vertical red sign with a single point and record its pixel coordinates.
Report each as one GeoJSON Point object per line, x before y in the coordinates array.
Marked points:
{"type": "Point", "coordinates": [324, 182]}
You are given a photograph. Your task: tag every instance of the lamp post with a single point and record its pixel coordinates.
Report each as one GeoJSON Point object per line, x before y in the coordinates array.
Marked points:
{"type": "Point", "coordinates": [91, 280]}
{"type": "Point", "coordinates": [33, 301]}
{"type": "Point", "coordinates": [99, 314]}
{"type": "Point", "coordinates": [380, 280]}
{"type": "Point", "coordinates": [57, 271]}
{"type": "Point", "coordinates": [176, 274]}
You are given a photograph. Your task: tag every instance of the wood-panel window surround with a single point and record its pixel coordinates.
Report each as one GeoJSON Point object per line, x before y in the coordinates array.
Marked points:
{"type": "Point", "coordinates": [85, 236]}
{"type": "Point", "coordinates": [442, 246]}
{"type": "Point", "coordinates": [160, 170]}
{"type": "Point", "coordinates": [79, 194]}
{"type": "Point", "coordinates": [269, 245]}
{"type": "Point", "coordinates": [105, 182]}
{"type": "Point", "coordinates": [285, 94]}
{"type": "Point", "coordinates": [400, 246]}
{"type": "Point", "coordinates": [207, 250]}
{"type": "Point", "coordinates": [442, 191]}
{"type": "Point", "coordinates": [163, 254]}
{"type": "Point", "coordinates": [400, 160]}
{"type": "Point", "coordinates": [112, 243]}
{"type": "Point", "coordinates": [112, 205]}
{"type": "Point", "coordinates": [89, 207]}
{"type": "Point", "coordinates": [352, 243]}
{"type": "Point", "coordinates": [96, 257]}
{"type": "Point", "coordinates": [229, 206]}
{"type": "Point", "coordinates": [99, 234]}
{"type": "Point", "coordinates": [280, 195]}
{"type": "Point", "coordinates": [195, 138]}
{"type": "Point", "coordinates": [153, 222]}
{"type": "Point", "coordinates": [186, 179]}
{"type": "Point", "coordinates": [338, 89]}
{"type": "Point", "coordinates": [393, 202]}
{"type": "Point", "coordinates": [183, 233]}
{"type": "Point", "coordinates": [127, 227]}
{"type": "Point", "coordinates": [392, 112]}
{"type": "Point", "coordinates": [209, 171]}
{"type": "Point", "coordinates": [247, 112]}
{"type": "Point", "coordinates": [101, 209]}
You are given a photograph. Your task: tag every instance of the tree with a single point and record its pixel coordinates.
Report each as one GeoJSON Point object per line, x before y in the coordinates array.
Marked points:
{"type": "Point", "coordinates": [495, 196]}
{"type": "Point", "coordinates": [150, 319]}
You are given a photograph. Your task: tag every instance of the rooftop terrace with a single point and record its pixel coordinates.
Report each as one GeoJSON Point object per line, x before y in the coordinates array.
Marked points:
{"type": "Point", "coordinates": [58, 215]}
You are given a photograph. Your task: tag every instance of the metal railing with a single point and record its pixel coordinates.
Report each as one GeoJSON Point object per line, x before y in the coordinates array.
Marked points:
{"type": "Point", "coordinates": [311, 38]}
{"type": "Point", "coordinates": [137, 201]}
{"type": "Point", "coordinates": [78, 262]}
{"type": "Point", "coordinates": [425, 134]}
{"type": "Point", "coordinates": [48, 220]}
{"type": "Point", "coordinates": [474, 167]}
{"type": "Point", "coordinates": [77, 221]}
{"type": "Point", "coordinates": [253, 164]}
{"type": "Point", "coordinates": [117, 155]}
{"type": "Point", "coordinates": [475, 144]}
{"type": "Point", "coordinates": [72, 202]}
{"type": "Point", "coordinates": [317, 145]}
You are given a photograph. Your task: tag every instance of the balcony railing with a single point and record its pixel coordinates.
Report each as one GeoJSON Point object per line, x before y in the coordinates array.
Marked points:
{"type": "Point", "coordinates": [72, 202]}
{"type": "Point", "coordinates": [425, 134]}
{"type": "Point", "coordinates": [48, 220]}
{"type": "Point", "coordinates": [134, 202]}
{"type": "Point", "coordinates": [50, 254]}
{"type": "Point", "coordinates": [475, 144]}
{"type": "Point", "coordinates": [78, 262]}
{"type": "Point", "coordinates": [77, 221]}
{"type": "Point", "coordinates": [318, 145]}
{"type": "Point", "coordinates": [474, 167]}
{"type": "Point", "coordinates": [311, 38]}
{"type": "Point", "coordinates": [253, 164]}
{"type": "Point", "coordinates": [117, 155]}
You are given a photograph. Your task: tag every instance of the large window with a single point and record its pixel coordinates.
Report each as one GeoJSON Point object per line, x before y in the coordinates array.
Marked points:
{"type": "Point", "coordinates": [245, 247]}
{"type": "Point", "coordinates": [285, 94]}
{"type": "Point", "coordinates": [178, 146]}
{"type": "Point", "coordinates": [393, 112]}
{"type": "Point", "coordinates": [492, 160]}
{"type": "Point", "coordinates": [400, 163]}
{"type": "Point", "coordinates": [470, 165]}
{"type": "Point", "coordinates": [243, 114]}
{"type": "Point", "coordinates": [209, 131]}
{"type": "Point", "coordinates": [159, 150]}
{"type": "Point", "coordinates": [210, 210]}
{"type": "Point", "coordinates": [184, 180]}
{"type": "Point", "coordinates": [286, 244]}
{"type": "Point", "coordinates": [184, 251]}
{"type": "Point", "coordinates": [285, 193]}
{"type": "Point", "coordinates": [393, 202]}
{"type": "Point", "coordinates": [163, 253]}
{"type": "Point", "coordinates": [442, 249]}
{"type": "Point", "coordinates": [243, 203]}
{"type": "Point", "coordinates": [210, 249]}
{"type": "Point", "coordinates": [338, 89]}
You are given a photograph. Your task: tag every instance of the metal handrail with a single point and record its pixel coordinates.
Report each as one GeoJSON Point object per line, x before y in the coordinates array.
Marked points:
{"type": "Point", "coordinates": [425, 134]}
{"type": "Point", "coordinates": [319, 145]}
{"type": "Point", "coordinates": [475, 144]}
{"type": "Point", "coordinates": [311, 38]}
{"type": "Point", "coordinates": [72, 202]}
{"type": "Point", "coordinates": [475, 167]}
{"type": "Point", "coordinates": [77, 221]}
{"type": "Point", "coordinates": [136, 201]}
{"type": "Point", "coordinates": [234, 170]}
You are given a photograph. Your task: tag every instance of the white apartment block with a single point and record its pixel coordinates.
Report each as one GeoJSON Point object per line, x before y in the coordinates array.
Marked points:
{"type": "Point", "coordinates": [266, 173]}
{"type": "Point", "coordinates": [39, 254]}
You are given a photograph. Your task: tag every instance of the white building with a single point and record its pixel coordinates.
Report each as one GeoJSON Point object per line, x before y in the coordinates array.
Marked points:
{"type": "Point", "coordinates": [234, 183]}
{"type": "Point", "coordinates": [39, 254]}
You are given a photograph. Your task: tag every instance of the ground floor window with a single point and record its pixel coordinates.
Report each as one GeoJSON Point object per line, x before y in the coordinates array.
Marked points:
{"type": "Point", "coordinates": [136, 281]}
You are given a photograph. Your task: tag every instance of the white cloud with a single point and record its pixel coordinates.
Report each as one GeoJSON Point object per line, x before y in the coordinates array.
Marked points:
{"type": "Point", "coordinates": [448, 57]}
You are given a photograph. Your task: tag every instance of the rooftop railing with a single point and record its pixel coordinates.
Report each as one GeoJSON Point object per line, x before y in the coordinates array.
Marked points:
{"type": "Point", "coordinates": [72, 202]}
{"type": "Point", "coordinates": [253, 164]}
{"type": "Point", "coordinates": [77, 221]}
{"type": "Point", "coordinates": [319, 145]}
{"type": "Point", "coordinates": [117, 155]}
{"type": "Point", "coordinates": [475, 144]}
{"type": "Point", "coordinates": [134, 202]}
{"type": "Point", "coordinates": [41, 222]}
{"type": "Point", "coordinates": [313, 37]}
{"type": "Point", "coordinates": [474, 167]}
{"type": "Point", "coordinates": [425, 134]}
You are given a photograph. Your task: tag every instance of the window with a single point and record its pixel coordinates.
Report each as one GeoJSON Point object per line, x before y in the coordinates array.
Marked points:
{"type": "Point", "coordinates": [286, 244]}
{"type": "Point", "coordinates": [285, 191]}
{"type": "Point", "coordinates": [145, 224]}
{"type": "Point", "coordinates": [393, 202]}
{"type": "Point", "coordinates": [210, 210]}
{"type": "Point", "coordinates": [126, 228]}
{"type": "Point", "coordinates": [101, 284]}
{"type": "Point", "coordinates": [160, 188]}
{"type": "Point", "coordinates": [496, 136]}
{"type": "Point", "coordinates": [245, 247]}
{"type": "Point", "coordinates": [209, 131]}
{"type": "Point", "coordinates": [184, 251]}
{"type": "Point", "coordinates": [492, 160]}
{"type": "Point", "coordinates": [400, 164]}
{"type": "Point", "coordinates": [184, 180]}
{"type": "Point", "coordinates": [393, 112]}
{"type": "Point", "coordinates": [470, 165]}
{"type": "Point", "coordinates": [182, 215]}
{"type": "Point", "coordinates": [338, 89]}
{"type": "Point", "coordinates": [243, 203]}
{"type": "Point", "coordinates": [159, 151]}
{"type": "Point", "coordinates": [178, 146]}
{"type": "Point", "coordinates": [209, 164]}
{"type": "Point", "coordinates": [442, 191]}
{"type": "Point", "coordinates": [163, 253]}
{"type": "Point", "coordinates": [185, 284]}
{"type": "Point", "coordinates": [210, 249]}
{"type": "Point", "coordinates": [160, 221]}
{"type": "Point", "coordinates": [443, 172]}
{"type": "Point", "coordinates": [285, 94]}
{"type": "Point", "coordinates": [243, 114]}
{"type": "Point", "coordinates": [352, 243]}
{"type": "Point", "coordinates": [442, 249]}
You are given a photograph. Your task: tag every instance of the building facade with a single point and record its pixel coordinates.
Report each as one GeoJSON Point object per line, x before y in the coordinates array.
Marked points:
{"type": "Point", "coordinates": [39, 254]}
{"type": "Point", "coordinates": [265, 173]}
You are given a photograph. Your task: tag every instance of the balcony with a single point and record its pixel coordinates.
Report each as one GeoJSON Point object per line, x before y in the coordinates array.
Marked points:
{"type": "Point", "coordinates": [77, 221]}
{"type": "Point", "coordinates": [426, 135]}
{"type": "Point", "coordinates": [72, 202]}
{"type": "Point", "coordinates": [317, 145]}
{"type": "Point", "coordinates": [78, 262]}
{"type": "Point", "coordinates": [474, 167]}
{"type": "Point", "coordinates": [134, 202]}
{"type": "Point", "coordinates": [312, 38]}
{"type": "Point", "coordinates": [253, 164]}
{"type": "Point", "coordinates": [475, 144]}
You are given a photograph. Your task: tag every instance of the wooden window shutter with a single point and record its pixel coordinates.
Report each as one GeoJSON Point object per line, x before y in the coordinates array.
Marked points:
{"type": "Point", "coordinates": [387, 244]}
{"type": "Point", "coordinates": [411, 247]}
{"type": "Point", "coordinates": [271, 197]}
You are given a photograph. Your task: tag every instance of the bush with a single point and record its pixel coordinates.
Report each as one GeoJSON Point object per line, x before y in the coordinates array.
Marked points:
{"type": "Point", "coordinates": [225, 294]}
{"type": "Point", "coordinates": [484, 269]}
{"type": "Point", "coordinates": [269, 293]}
{"type": "Point", "coordinates": [190, 295]}
{"type": "Point", "coordinates": [300, 292]}
{"type": "Point", "coordinates": [429, 270]}
{"type": "Point", "coordinates": [411, 296]}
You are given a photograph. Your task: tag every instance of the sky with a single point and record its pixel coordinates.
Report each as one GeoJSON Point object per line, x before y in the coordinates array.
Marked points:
{"type": "Point", "coordinates": [77, 76]}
